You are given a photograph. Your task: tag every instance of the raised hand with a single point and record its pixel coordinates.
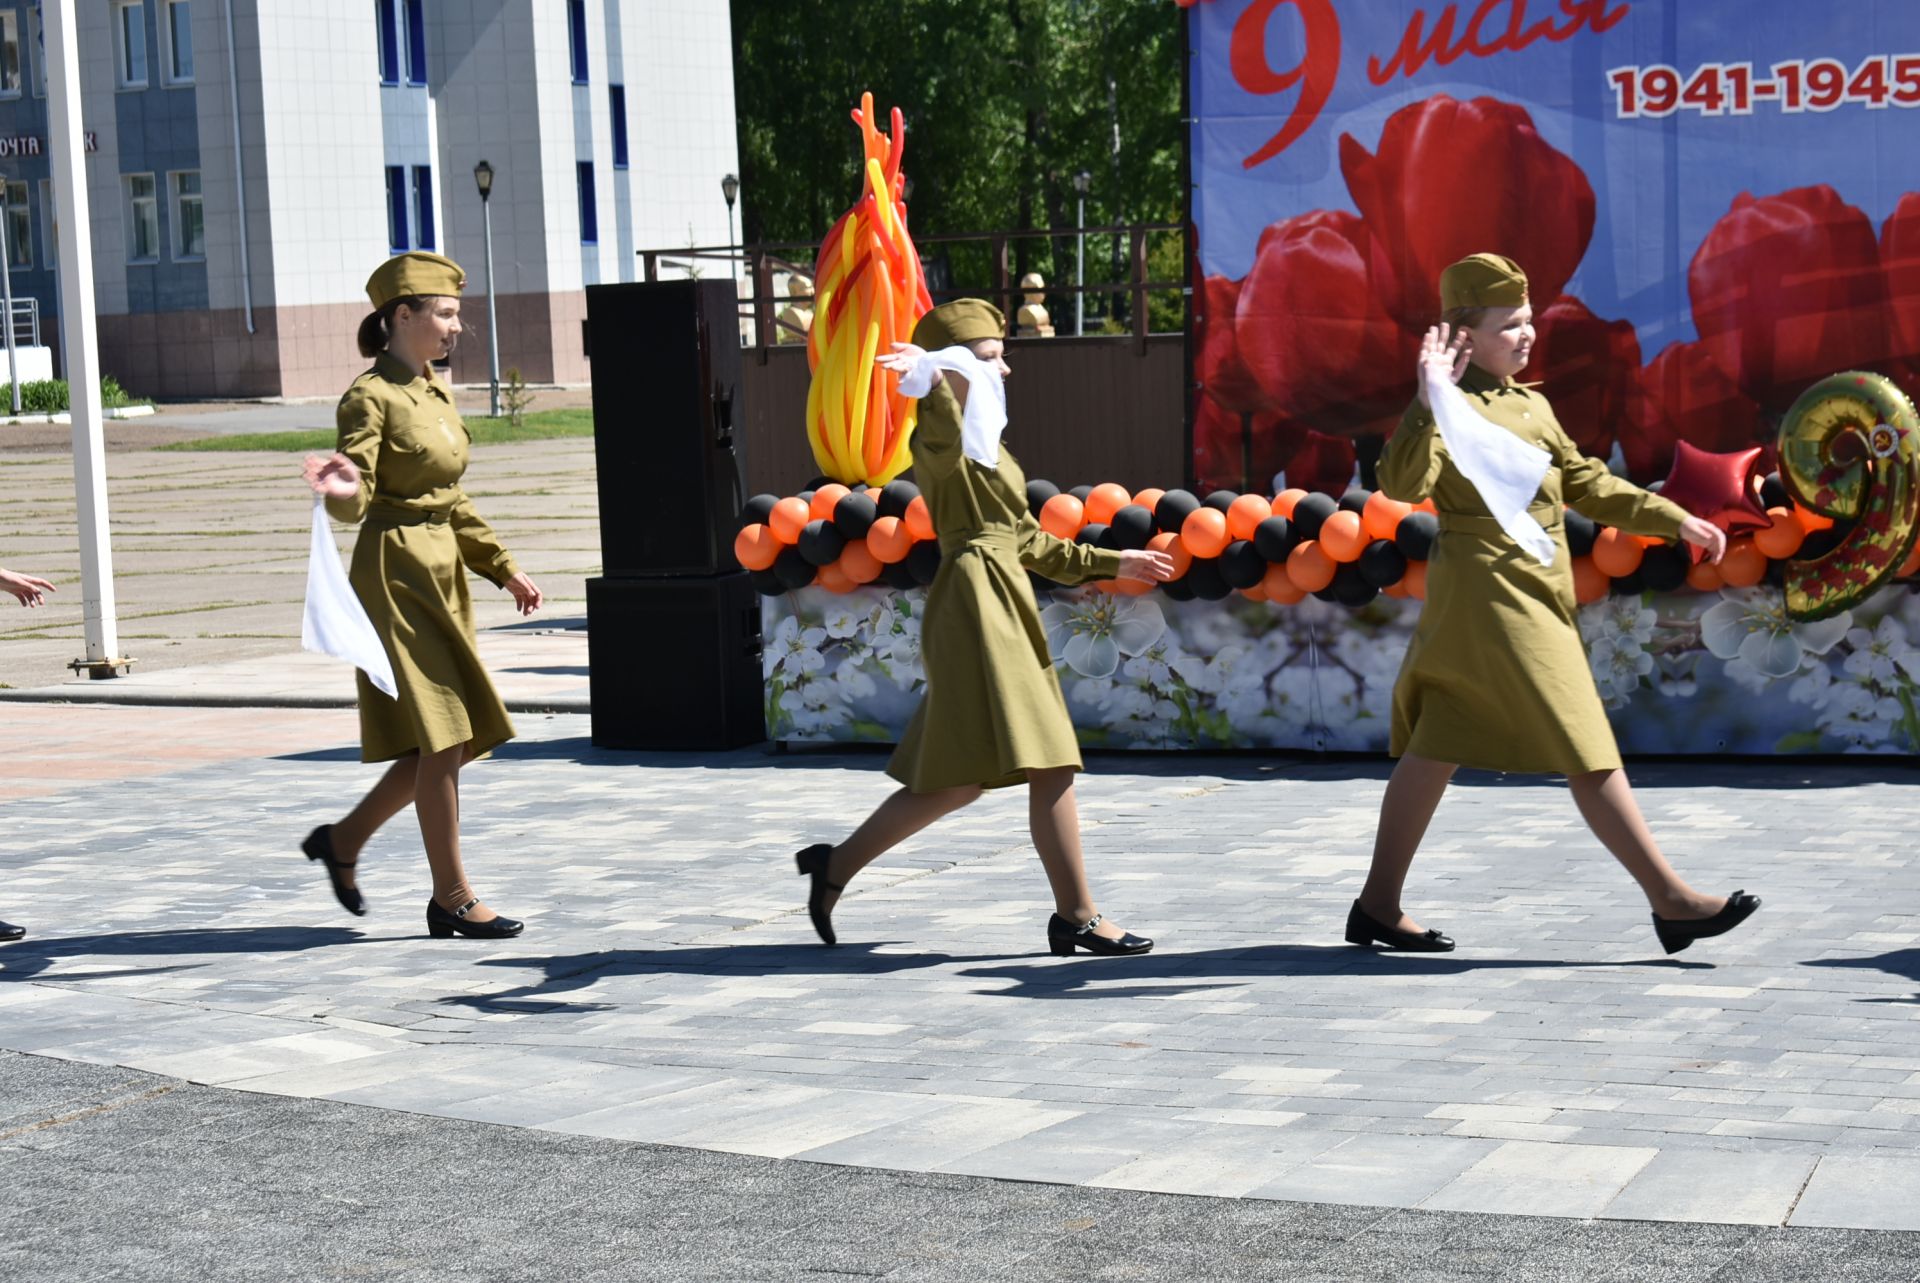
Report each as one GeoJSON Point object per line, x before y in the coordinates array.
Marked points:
{"type": "Point", "coordinates": [1441, 354]}
{"type": "Point", "coordinates": [901, 359]}
{"type": "Point", "coordinates": [1149, 567]}
{"type": "Point", "coordinates": [1705, 534]}
{"type": "Point", "coordinates": [332, 478]}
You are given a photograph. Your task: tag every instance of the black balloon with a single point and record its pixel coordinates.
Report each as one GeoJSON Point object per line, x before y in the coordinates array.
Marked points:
{"type": "Point", "coordinates": [1132, 527]}
{"type": "Point", "coordinates": [898, 575]}
{"type": "Point", "coordinates": [767, 582]}
{"type": "Point", "coordinates": [1328, 594]}
{"type": "Point", "coordinates": [1629, 585]}
{"type": "Point", "coordinates": [820, 543]}
{"type": "Point", "coordinates": [924, 561]}
{"type": "Point", "coordinates": [817, 482]}
{"type": "Point", "coordinates": [1174, 508]}
{"type": "Point", "coordinates": [805, 496]}
{"type": "Point", "coordinates": [1819, 544]}
{"type": "Point", "coordinates": [1081, 492]}
{"type": "Point", "coordinates": [756, 510]}
{"type": "Point", "coordinates": [1109, 540]}
{"type": "Point", "coordinates": [1773, 492]}
{"type": "Point", "coordinates": [895, 496]}
{"type": "Point", "coordinates": [1090, 534]}
{"type": "Point", "coordinates": [1664, 568]}
{"type": "Point", "coordinates": [1382, 563]}
{"type": "Point", "coordinates": [1581, 531]}
{"type": "Point", "coordinates": [1241, 564]}
{"type": "Point", "coordinates": [1178, 589]}
{"type": "Point", "coordinates": [1274, 539]}
{"type": "Point", "coordinates": [1038, 492]}
{"type": "Point", "coordinates": [1311, 513]}
{"type": "Point", "coordinates": [853, 516]}
{"type": "Point", "coordinates": [1776, 575]}
{"type": "Point", "coordinates": [1350, 586]}
{"type": "Point", "coordinates": [1415, 534]}
{"type": "Point", "coordinates": [1355, 499]}
{"type": "Point", "coordinates": [1220, 499]}
{"type": "Point", "coordinates": [1204, 577]}
{"type": "Point", "coordinates": [793, 570]}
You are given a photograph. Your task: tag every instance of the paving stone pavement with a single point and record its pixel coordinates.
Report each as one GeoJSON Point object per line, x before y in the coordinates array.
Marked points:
{"type": "Point", "coordinates": [669, 990]}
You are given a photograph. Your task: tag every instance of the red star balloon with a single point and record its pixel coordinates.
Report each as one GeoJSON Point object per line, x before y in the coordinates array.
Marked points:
{"type": "Point", "coordinates": [1719, 487]}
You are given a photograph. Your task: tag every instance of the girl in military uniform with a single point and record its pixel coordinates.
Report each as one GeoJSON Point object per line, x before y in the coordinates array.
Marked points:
{"type": "Point", "coordinates": [1496, 676]}
{"type": "Point", "coordinates": [993, 714]}
{"type": "Point", "coordinates": [402, 450]}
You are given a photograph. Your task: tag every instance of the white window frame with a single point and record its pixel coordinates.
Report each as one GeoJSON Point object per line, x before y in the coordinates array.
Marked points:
{"type": "Point", "coordinates": [179, 201]}
{"type": "Point", "coordinates": [10, 35]}
{"type": "Point", "coordinates": [170, 74]}
{"type": "Point", "coordinates": [123, 51]}
{"type": "Point", "coordinates": [49, 227]}
{"type": "Point", "coordinates": [132, 204]}
{"type": "Point", "coordinates": [21, 211]}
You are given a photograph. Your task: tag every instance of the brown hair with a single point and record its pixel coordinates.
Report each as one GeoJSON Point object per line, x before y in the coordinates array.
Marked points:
{"type": "Point", "coordinates": [1464, 317]}
{"type": "Point", "coordinates": [377, 328]}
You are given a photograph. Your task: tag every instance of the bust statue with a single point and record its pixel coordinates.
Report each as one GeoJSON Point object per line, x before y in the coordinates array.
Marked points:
{"type": "Point", "coordinates": [1032, 321]}
{"type": "Point", "coordinates": [796, 318]}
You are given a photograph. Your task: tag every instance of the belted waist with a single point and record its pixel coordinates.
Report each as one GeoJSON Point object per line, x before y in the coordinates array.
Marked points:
{"type": "Point", "coordinates": [1551, 517]}
{"type": "Point", "coordinates": [386, 515]}
{"type": "Point", "coordinates": [997, 540]}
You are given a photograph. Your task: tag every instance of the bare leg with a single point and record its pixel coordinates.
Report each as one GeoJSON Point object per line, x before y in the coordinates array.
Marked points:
{"type": "Point", "coordinates": [1413, 792]}
{"type": "Point", "coordinates": [1606, 803]}
{"type": "Point", "coordinates": [436, 804]}
{"type": "Point", "coordinates": [386, 799]}
{"type": "Point", "coordinates": [902, 815]}
{"type": "Point", "coordinates": [1053, 817]}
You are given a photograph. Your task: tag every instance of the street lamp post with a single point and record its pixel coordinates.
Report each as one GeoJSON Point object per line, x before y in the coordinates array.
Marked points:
{"type": "Point", "coordinates": [730, 188]}
{"type": "Point", "coordinates": [1081, 181]}
{"type": "Point", "coordinates": [483, 179]}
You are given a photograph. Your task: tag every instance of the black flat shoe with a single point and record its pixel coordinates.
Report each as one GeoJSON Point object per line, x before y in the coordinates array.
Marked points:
{"type": "Point", "coordinates": [813, 864]}
{"type": "Point", "coordinates": [1677, 933]}
{"type": "Point", "coordinates": [9, 933]}
{"type": "Point", "coordinates": [319, 846]}
{"type": "Point", "coordinates": [1364, 931]}
{"type": "Point", "coordinates": [1063, 938]}
{"type": "Point", "coordinates": [441, 924]}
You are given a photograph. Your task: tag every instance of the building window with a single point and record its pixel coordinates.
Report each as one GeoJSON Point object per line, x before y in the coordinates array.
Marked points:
{"type": "Point", "coordinates": [143, 219]}
{"type": "Point", "coordinates": [130, 43]}
{"type": "Point", "coordinates": [19, 226]}
{"type": "Point", "coordinates": [189, 216]}
{"type": "Point", "coordinates": [386, 14]}
{"type": "Point", "coordinates": [416, 21]}
{"type": "Point", "coordinates": [9, 54]}
{"type": "Point", "coordinates": [617, 101]}
{"type": "Point", "coordinates": [589, 216]}
{"type": "Point", "coordinates": [397, 208]}
{"type": "Point", "coordinates": [577, 38]}
{"type": "Point", "coordinates": [423, 205]}
{"type": "Point", "coordinates": [49, 227]}
{"type": "Point", "coordinates": [176, 31]}
{"type": "Point", "coordinates": [37, 52]}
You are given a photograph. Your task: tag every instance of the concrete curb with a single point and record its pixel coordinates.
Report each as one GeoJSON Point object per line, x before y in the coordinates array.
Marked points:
{"type": "Point", "coordinates": [216, 699]}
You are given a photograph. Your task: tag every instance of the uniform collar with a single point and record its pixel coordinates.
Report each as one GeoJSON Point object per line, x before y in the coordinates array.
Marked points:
{"type": "Point", "coordinates": [394, 370]}
{"type": "Point", "coordinates": [1478, 380]}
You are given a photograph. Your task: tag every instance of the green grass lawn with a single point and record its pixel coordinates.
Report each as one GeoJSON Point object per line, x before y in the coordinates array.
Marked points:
{"type": "Point", "coordinates": [538, 426]}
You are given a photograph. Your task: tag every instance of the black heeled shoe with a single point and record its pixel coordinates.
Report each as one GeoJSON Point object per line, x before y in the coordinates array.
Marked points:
{"type": "Point", "coordinates": [1063, 937]}
{"type": "Point", "coordinates": [813, 864]}
{"type": "Point", "coordinates": [1677, 934]}
{"type": "Point", "coordinates": [441, 924]}
{"type": "Point", "coordinates": [1364, 931]}
{"type": "Point", "coordinates": [10, 933]}
{"type": "Point", "coordinates": [319, 846]}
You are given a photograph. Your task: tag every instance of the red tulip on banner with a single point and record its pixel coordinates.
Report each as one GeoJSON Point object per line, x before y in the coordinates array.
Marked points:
{"type": "Point", "coordinates": [1681, 395]}
{"type": "Point", "coordinates": [1226, 458]}
{"type": "Point", "coordinates": [1217, 363]}
{"type": "Point", "coordinates": [1900, 262]}
{"type": "Point", "coordinates": [1788, 289]}
{"type": "Point", "coordinates": [1457, 178]}
{"type": "Point", "coordinates": [1586, 367]}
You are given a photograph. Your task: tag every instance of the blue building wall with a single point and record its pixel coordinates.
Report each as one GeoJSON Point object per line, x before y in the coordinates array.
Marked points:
{"type": "Point", "coordinates": [26, 117]}
{"type": "Point", "coordinates": [158, 132]}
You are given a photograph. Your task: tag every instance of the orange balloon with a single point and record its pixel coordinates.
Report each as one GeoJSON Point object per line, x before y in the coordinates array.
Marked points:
{"type": "Point", "coordinates": [1129, 587]}
{"type": "Point", "coordinates": [1781, 539]}
{"type": "Point", "coordinates": [1062, 516]}
{"type": "Point", "coordinates": [1382, 515]}
{"type": "Point", "coordinates": [833, 579]}
{"type": "Point", "coordinates": [1811, 521]}
{"type": "Point", "coordinates": [788, 518]}
{"type": "Point", "coordinates": [1309, 566]}
{"type": "Point", "coordinates": [826, 499]}
{"type": "Point", "coordinates": [1704, 576]}
{"type": "Point", "coordinates": [1589, 581]}
{"type": "Point", "coordinates": [1149, 497]}
{"type": "Point", "coordinates": [1344, 536]}
{"type": "Point", "coordinates": [873, 493]}
{"type": "Point", "coordinates": [1279, 585]}
{"type": "Point", "coordinates": [920, 518]}
{"type": "Point", "coordinates": [858, 563]}
{"type": "Point", "coordinates": [1415, 580]}
{"type": "Point", "coordinates": [1246, 512]}
{"type": "Point", "coordinates": [755, 547]}
{"type": "Point", "coordinates": [1255, 593]}
{"type": "Point", "coordinates": [1426, 505]}
{"type": "Point", "coordinates": [1744, 565]}
{"type": "Point", "coordinates": [1104, 500]}
{"type": "Point", "coordinates": [1204, 532]}
{"type": "Point", "coordinates": [1398, 588]}
{"type": "Point", "coordinates": [889, 540]}
{"type": "Point", "coordinates": [1617, 553]}
{"type": "Point", "coordinates": [1284, 501]}
{"type": "Point", "coordinates": [1169, 542]}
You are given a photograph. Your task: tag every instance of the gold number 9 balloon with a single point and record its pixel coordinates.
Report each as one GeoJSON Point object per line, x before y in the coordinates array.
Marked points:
{"type": "Point", "coordinates": [1850, 450]}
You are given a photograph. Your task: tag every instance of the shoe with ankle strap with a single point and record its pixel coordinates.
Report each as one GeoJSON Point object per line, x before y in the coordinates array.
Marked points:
{"type": "Point", "coordinates": [1063, 937]}
{"type": "Point", "coordinates": [813, 864]}
{"type": "Point", "coordinates": [319, 846]}
{"type": "Point", "coordinates": [441, 924]}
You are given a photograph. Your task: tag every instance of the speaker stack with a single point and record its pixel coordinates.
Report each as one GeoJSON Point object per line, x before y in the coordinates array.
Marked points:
{"type": "Point", "coordinates": [673, 623]}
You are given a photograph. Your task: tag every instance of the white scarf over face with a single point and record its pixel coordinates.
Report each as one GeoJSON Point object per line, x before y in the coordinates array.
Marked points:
{"type": "Point", "coordinates": [985, 416]}
{"type": "Point", "coordinates": [1505, 470]}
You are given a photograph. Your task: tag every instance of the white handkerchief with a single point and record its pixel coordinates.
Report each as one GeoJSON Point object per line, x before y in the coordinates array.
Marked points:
{"type": "Point", "coordinates": [1505, 470]}
{"type": "Point", "coordinates": [985, 417]}
{"type": "Point", "coordinates": [336, 623]}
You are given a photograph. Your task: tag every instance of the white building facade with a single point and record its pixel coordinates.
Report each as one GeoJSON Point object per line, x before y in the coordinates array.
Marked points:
{"type": "Point", "coordinates": [231, 261]}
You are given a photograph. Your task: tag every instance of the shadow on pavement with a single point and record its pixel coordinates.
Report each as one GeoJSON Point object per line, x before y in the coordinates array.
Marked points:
{"type": "Point", "coordinates": [1904, 963]}
{"type": "Point", "coordinates": [34, 956]}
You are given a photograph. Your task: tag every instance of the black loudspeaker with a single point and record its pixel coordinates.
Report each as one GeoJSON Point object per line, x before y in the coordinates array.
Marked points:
{"type": "Point", "coordinates": [666, 358]}
{"type": "Point", "coordinates": [675, 663]}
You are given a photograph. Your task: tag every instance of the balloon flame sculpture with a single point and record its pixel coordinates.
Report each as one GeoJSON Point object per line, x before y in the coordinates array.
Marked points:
{"type": "Point", "coordinates": [869, 292]}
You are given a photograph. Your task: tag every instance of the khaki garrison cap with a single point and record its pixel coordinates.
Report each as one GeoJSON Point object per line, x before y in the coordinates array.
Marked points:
{"type": "Point", "coordinates": [415, 274]}
{"type": "Point", "coordinates": [965, 320]}
{"type": "Point", "coordinates": [1483, 280]}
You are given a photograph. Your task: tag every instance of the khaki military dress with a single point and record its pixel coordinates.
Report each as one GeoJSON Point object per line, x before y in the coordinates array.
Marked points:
{"type": "Point", "coordinates": [1496, 676]}
{"type": "Point", "coordinates": [993, 709]}
{"type": "Point", "coordinates": [419, 535]}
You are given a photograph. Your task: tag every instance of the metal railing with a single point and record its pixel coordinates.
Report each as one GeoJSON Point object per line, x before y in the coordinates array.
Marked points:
{"type": "Point", "coordinates": [26, 322]}
{"type": "Point", "coordinates": [762, 329]}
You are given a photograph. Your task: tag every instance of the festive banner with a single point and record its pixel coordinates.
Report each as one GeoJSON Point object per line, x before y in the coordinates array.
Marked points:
{"type": "Point", "coordinates": [1717, 203]}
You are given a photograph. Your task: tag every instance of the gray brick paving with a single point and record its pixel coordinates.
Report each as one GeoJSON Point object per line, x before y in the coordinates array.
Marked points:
{"type": "Point", "coordinates": [668, 989]}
